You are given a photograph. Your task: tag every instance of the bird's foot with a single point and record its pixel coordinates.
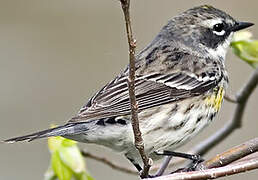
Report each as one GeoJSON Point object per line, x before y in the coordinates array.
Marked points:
{"type": "Point", "coordinates": [196, 159]}
{"type": "Point", "coordinates": [191, 167]}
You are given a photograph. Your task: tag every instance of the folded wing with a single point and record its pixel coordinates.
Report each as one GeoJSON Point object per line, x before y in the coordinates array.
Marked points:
{"type": "Point", "coordinates": [151, 90]}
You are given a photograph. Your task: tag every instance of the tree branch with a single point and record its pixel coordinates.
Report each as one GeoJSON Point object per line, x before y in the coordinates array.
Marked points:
{"type": "Point", "coordinates": [230, 98]}
{"type": "Point", "coordinates": [230, 155]}
{"type": "Point", "coordinates": [163, 166]}
{"type": "Point", "coordinates": [223, 164]}
{"type": "Point", "coordinates": [131, 86]}
{"type": "Point", "coordinates": [215, 172]}
{"type": "Point", "coordinates": [107, 162]}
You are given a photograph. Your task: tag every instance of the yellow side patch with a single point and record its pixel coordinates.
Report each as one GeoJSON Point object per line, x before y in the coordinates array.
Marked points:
{"type": "Point", "coordinates": [215, 99]}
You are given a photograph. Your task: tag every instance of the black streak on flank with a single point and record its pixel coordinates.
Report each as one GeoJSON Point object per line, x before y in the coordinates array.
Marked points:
{"type": "Point", "coordinates": [182, 124]}
{"type": "Point", "coordinates": [174, 110]}
{"type": "Point", "coordinates": [199, 119]}
{"type": "Point", "coordinates": [151, 56]}
{"type": "Point", "coordinates": [111, 120]}
{"type": "Point", "coordinates": [121, 121]}
{"type": "Point", "coordinates": [179, 126]}
{"type": "Point", "coordinates": [211, 116]}
{"type": "Point", "coordinates": [101, 122]}
{"type": "Point", "coordinates": [189, 108]}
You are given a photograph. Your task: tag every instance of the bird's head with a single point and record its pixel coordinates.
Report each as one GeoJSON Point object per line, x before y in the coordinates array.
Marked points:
{"type": "Point", "coordinates": [204, 29]}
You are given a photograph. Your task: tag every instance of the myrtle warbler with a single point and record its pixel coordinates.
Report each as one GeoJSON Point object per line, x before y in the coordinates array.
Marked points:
{"type": "Point", "coordinates": [180, 83]}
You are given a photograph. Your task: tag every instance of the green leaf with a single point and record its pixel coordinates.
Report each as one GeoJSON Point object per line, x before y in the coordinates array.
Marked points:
{"type": "Point", "coordinates": [50, 175]}
{"type": "Point", "coordinates": [71, 157]}
{"type": "Point", "coordinates": [83, 176]}
{"type": "Point", "coordinates": [68, 142]}
{"type": "Point", "coordinates": [67, 163]}
{"type": "Point", "coordinates": [245, 48]}
{"type": "Point", "coordinates": [54, 143]}
{"type": "Point", "coordinates": [59, 168]}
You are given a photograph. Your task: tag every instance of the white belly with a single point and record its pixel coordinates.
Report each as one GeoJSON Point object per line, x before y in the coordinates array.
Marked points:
{"type": "Point", "coordinates": [163, 128]}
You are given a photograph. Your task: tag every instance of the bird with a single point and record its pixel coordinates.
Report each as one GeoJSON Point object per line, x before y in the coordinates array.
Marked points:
{"type": "Point", "coordinates": [180, 82]}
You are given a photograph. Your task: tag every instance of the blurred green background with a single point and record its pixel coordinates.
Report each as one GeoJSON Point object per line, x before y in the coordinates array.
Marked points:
{"type": "Point", "coordinates": [54, 54]}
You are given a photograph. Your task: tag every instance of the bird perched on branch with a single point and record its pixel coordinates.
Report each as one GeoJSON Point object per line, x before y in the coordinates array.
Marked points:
{"type": "Point", "coordinates": [179, 86]}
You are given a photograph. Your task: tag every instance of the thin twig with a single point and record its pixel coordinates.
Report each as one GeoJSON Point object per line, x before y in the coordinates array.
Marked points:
{"type": "Point", "coordinates": [131, 86]}
{"type": "Point", "coordinates": [230, 98]}
{"type": "Point", "coordinates": [163, 166]}
{"type": "Point", "coordinates": [231, 155]}
{"type": "Point", "coordinates": [108, 162]}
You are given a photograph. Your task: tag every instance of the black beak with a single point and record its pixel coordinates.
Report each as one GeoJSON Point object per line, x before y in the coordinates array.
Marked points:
{"type": "Point", "coordinates": [241, 25]}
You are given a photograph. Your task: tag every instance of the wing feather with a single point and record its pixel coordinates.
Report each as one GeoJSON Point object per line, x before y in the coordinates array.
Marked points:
{"type": "Point", "coordinates": [152, 90]}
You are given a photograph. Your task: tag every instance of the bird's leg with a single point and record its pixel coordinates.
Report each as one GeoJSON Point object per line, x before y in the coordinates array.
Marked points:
{"type": "Point", "coordinates": [196, 159]}
{"type": "Point", "coordinates": [182, 155]}
{"type": "Point", "coordinates": [136, 165]}
{"type": "Point", "coordinates": [139, 168]}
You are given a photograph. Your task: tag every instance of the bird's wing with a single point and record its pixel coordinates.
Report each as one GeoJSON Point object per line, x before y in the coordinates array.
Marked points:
{"type": "Point", "coordinates": [151, 90]}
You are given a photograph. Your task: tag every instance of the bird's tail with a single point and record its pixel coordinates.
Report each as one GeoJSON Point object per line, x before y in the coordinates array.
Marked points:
{"type": "Point", "coordinates": [68, 129]}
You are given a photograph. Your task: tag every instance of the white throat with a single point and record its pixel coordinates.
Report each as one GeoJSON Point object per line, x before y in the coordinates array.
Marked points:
{"type": "Point", "coordinates": [221, 50]}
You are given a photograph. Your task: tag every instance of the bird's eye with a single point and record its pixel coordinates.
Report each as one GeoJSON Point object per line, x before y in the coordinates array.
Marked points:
{"type": "Point", "coordinates": [219, 29]}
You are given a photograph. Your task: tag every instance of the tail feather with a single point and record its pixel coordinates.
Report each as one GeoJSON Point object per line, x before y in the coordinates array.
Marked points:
{"type": "Point", "coordinates": [68, 129]}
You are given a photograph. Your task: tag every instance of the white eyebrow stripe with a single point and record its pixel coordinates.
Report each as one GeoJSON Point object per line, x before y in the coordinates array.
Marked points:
{"type": "Point", "coordinates": [211, 22]}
